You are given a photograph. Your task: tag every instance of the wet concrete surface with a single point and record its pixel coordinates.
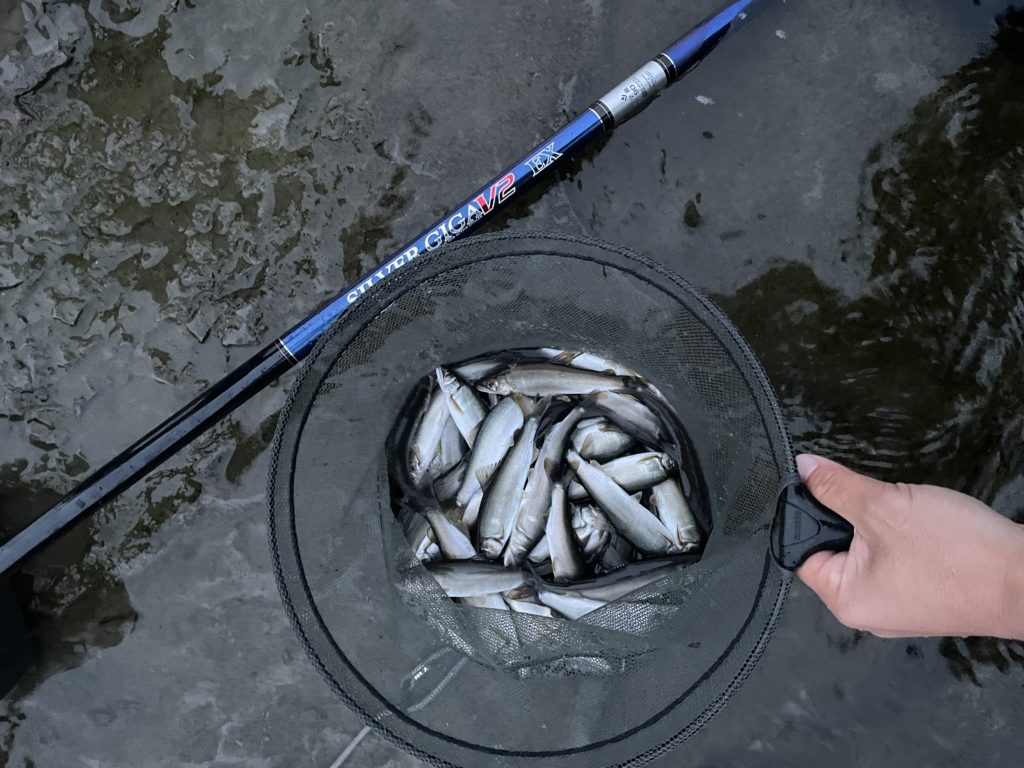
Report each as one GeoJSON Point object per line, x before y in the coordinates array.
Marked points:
{"type": "Point", "coordinates": [179, 182]}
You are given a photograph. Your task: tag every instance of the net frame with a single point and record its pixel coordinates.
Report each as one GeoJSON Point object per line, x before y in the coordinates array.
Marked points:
{"type": "Point", "coordinates": [393, 722]}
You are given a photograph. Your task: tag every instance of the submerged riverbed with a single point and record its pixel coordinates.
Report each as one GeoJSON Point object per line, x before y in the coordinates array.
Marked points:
{"type": "Point", "coordinates": [179, 182]}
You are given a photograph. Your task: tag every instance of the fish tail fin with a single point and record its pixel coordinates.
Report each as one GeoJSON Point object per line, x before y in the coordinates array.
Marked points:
{"type": "Point", "coordinates": [484, 474]}
{"type": "Point", "coordinates": [533, 407]}
{"type": "Point", "coordinates": [513, 555]}
{"type": "Point", "coordinates": [565, 357]}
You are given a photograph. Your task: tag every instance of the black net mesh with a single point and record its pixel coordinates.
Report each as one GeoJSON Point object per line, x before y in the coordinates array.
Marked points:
{"type": "Point", "coordinates": [465, 686]}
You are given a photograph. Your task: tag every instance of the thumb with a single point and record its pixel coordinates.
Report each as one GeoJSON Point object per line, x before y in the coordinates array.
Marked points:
{"type": "Point", "coordinates": [846, 492]}
{"type": "Point", "coordinates": [823, 573]}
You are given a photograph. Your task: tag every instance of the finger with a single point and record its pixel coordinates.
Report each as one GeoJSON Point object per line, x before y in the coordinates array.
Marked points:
{"type": "Point", "coordinates": [847, 492]}
{"type": "Point", "coordinates": [823, 573]}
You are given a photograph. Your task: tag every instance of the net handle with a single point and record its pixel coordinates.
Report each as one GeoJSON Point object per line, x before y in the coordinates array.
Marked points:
{"type": "Point", "coordinates": [804, 526]}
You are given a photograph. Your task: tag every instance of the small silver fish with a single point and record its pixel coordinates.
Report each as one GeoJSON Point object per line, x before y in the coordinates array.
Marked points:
{"type": "Point", "coordinates": [497, 515]}
{"type": "Point", "coordinates": [529, 517]}
{"type": "Point", "coordinates": [634, 472]}
{"type": "Point", "coordinates": [593, 531]}
{"type": "Point", "coordinates": [432, 553]}
{"type": "Point", "coordinates": [549, 380]}
{"type": "Point", "coordinates": [587, 362]}
{"type": "Point", "coordinates": [525, 592]}
{"type": "Point", "coordinates": [618, 553]}
{"type": "Point", "coordinates": [493, 440]}
{"type": "Point", "coordinates": [426, 438]}
{"type": "Point", "coordinates": [467, 578]}
{"type": "Point", "coordinates": [474, 371]}
{"type": "Point", "coordinates": [449, 451]}
{"type": "Point", "coordinates": [447, 485]}
{"type": "Point", "coordinates": [471, 514]}
{"type": "Point", "coordinates": [463, 404]}
{"type": "Point", "coordinates": [417, 532]}
{"type": "Point", "coordinates": [494, 602]}
{"type": "Point", "coordinates": [533, 507]}
{"type": "Point", "coordinates": [540, 553]}
{"type": "Point", "coordinates": [453, 541]}
{"type": "Point", "coordinates": [524, 600]}
{"type": "Point", "coordinates": [599, 439]}
{"type": "Point", "coordinates": [566, 561]}
{"type": "Point", "coordinates": [668, 502]}
{"type": "Point", "coordinates": [519, 606]}
{"type": "Point", "coordinates": [571, 606]}
{"type": "Point", "coordinates": [631, 415]}
{"type": "Point", "coordinates": [585, 596]}
{"type": "Point", "coordinates": [631, 518]}
{"type": "Point", "coordinates": [591, 362]}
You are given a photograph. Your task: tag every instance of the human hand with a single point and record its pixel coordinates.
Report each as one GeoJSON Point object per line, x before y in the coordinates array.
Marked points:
{"type": "Point", "coordinates": [924, 560]}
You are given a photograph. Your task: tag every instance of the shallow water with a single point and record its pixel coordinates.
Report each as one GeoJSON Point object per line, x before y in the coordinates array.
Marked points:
{"type": "Point", "coordinates": [179, 182]}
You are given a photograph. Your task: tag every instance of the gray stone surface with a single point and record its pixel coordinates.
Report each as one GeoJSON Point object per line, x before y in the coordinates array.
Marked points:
{"type": "Point", "coordinates": [181, 181]}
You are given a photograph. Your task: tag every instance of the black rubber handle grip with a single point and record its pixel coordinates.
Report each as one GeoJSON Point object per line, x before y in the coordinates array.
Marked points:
{"type": "Point", "coordinates": [803, 526]}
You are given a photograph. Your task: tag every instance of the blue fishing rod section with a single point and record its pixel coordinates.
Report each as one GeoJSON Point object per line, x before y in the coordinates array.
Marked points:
{"type": "Point", "coordinates": [614, 108]}
{"type": "Point", "coordinates": [467, 216]}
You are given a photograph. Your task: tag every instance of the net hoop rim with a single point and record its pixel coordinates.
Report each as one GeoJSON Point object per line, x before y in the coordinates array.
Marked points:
{"type": "Point", "coordinates": [287, 439]}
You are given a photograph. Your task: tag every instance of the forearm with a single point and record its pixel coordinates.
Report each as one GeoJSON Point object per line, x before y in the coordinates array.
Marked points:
{"type": "Point", "coordinates": [1010, 622]}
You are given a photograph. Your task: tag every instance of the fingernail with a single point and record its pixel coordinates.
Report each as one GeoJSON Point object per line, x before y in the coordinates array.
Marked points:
{"type": "Point", "coordinates": [806, 463]}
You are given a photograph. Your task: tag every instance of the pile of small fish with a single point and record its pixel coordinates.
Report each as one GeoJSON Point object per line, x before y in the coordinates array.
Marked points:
{"type": "Point", "coordinates": [542, 484]}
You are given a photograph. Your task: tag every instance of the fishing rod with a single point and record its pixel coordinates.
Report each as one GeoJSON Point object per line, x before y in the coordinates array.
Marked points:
{"type": "Point", "coordinates": [614, 108]}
